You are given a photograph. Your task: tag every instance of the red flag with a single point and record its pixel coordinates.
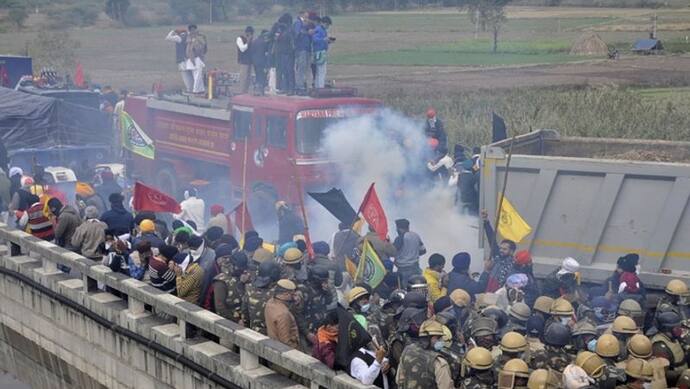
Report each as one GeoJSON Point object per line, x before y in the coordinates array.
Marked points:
{"type": "Point", "coordinates": [373, 213]}
{"type": "Point", "coordinates": [247, 224]}
{"type": "Point", "coordinates": [151, 199]}
{"type": "Point", "coordinates": [79, 81]}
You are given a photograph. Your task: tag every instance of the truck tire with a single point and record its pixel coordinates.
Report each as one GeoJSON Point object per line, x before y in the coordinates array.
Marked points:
{"type": "Point", "coordinates": [166, 181]}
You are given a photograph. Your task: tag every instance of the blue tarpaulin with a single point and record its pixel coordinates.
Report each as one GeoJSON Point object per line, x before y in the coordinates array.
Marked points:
{"type": "Point", "coordinates": [647, 45]}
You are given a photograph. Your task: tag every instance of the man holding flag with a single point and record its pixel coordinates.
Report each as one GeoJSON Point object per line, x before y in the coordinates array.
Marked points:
{"type": "Point", "coordinates": [511, 225]}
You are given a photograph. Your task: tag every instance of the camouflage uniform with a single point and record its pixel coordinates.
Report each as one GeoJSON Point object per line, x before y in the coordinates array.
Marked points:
{"type": "Point", "coordinates": [316, 303]}
{"type": "Point", "coordinates": [481, 380]}
{"type": "Point", "coordinates": [253, 306]}
{"type": "Point", "coordinates": [417, 368]}
{"type": "Point", "coordinates": [556, 358]}
{"type": "Point", "coordinates": [384, 320]}
{"type": "Point", "coordinates": [235, 288]}
{"type": "Point", "coordinates": [453, 355]}
{"type": "Point", "coordinates": [293, 274]}
{"type": "Point", "coordinates": [612, 374]}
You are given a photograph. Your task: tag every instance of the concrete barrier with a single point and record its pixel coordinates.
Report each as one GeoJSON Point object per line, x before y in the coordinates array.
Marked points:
{"type": "Point", "coordinates": [240, 356]}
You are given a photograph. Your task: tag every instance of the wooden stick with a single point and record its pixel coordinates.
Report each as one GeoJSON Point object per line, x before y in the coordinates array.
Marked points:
{"type": "Point", "coordinates": [505, 184]}
{"type": "Point", "coordinates": [244, 182]}
{"type": "Point", "coordinates": [300, 194]}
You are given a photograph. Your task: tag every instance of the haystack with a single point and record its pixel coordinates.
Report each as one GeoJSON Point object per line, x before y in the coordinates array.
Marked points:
{"type": "Point", "coordinates": [589, 44]}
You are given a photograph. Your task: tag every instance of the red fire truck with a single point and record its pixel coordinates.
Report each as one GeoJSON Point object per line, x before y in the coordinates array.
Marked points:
{"type": "Point", "coordinates": [278, 136]}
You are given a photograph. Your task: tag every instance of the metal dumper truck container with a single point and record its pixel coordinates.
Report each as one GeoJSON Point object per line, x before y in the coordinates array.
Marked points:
{"type": "Point", "coordinates": [596, 199]}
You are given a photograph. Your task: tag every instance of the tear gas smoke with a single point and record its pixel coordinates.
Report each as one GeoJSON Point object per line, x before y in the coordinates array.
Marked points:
{"type": "Point", "coordinates": [391, 150]}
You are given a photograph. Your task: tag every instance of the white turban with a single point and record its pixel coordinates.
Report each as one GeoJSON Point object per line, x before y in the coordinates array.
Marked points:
{"type": "Point", "coordinates": [569, 265]}
{"type": "Point", "coordinates": [574, 377]}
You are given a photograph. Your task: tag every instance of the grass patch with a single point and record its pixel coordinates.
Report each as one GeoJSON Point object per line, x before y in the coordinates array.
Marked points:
{"type": "Point", "coordinates": [632, 113]}
{"type": "Point", "coordinates": [468, 53]}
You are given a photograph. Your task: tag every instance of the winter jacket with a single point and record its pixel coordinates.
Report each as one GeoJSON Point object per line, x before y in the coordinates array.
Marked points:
{"type": "Point", "coordinates": [88, 236]}
{"type": "Point", "coordinates": [289, 225]}
{"type": "Point", "coordinates": [384, 249]}
{"type": "Point", "coordinates": [320, 39]}
{"type": "Point", "coordinates": [433, 281]}
{"type": "Point", "coordinates": [38, 224]}
{"type": "Point", "coordinates": [118, 219]}
{"type": "Point", "coordinates": [259, 52]}
{"type": "Point", "coordinates": [324, 262]}
{"type": "Point", "coordinates": [107, 188]}
{"type": "Point", "coordinates": [302, 37]}
{"type": "Point", "coordinates": [152, 238]}
{"type": "Point", "coordinates": [462, 280]}
{"type": "Point", "coordinates": [280, 323]}
{"type": "Point", "coordinates": [207, 261]}
{"type": "Point", "coordinates": [437, 132]}
{"type": "Point", "coordinates": [5, 196]}
{"type": "Point", "coordinates": [67, 223]}
{"type": "Point", "coordinates": [189, 283]}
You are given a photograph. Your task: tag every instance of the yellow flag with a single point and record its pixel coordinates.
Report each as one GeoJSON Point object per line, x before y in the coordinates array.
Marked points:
{"type": "Point", "coordinates": [511, 225]}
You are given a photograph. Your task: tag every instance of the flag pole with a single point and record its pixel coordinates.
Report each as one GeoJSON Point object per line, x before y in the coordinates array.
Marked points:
{"type": "Point", "coordinates": [352, 225]}
{"type": "Point", "coordinates": [300, 194]}
{"type": "Point", "coordinates": [505, 183]}
{"type": "Point", "coordinates": [244, 183]}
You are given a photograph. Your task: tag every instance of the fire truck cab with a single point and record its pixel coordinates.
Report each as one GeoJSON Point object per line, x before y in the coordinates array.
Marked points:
{"type": "Point", "coordinates": [264, 142]}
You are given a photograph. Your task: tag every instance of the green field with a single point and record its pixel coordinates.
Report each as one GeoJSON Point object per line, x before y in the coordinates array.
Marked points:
{"type": "Point", "coordinates": [468, 53]}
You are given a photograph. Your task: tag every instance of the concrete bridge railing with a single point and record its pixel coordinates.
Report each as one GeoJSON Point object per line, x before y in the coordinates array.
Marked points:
{"type": "Point", "coordinates": [228, 353]}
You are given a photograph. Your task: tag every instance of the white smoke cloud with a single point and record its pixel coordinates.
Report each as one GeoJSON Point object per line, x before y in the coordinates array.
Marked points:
{"type": "Point", "coordinates": [391, 150]}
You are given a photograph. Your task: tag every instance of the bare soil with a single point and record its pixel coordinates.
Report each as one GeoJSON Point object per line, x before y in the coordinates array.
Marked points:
{"type": "Point", "coordinates": [632, 70]}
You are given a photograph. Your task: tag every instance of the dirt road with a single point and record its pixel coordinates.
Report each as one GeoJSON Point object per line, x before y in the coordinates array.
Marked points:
{"type": "Point", "coordinates": [633, 70]}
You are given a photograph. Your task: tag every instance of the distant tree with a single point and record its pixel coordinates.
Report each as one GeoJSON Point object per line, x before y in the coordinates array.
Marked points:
{"type": "Point", "coordinates": [117, 9]}
{"type": "Point", "coordinates": [188, 11]}
{"type": "Point", "coordinates": [261, 6]}
{"type": "Point", "coordinates": [17, 11]}
{"type": "Point", "coordinates": [487, 14]}
{"type": "Point", "coordinates": [54, 50]}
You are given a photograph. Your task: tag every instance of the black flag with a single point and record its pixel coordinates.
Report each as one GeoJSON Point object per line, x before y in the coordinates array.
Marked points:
{"type": "Point", "coordinates": [351, 337]}
{"type": "Point", "coordinates": [499, 129]}
{"type": "Point", "coordinates": [335, 202]}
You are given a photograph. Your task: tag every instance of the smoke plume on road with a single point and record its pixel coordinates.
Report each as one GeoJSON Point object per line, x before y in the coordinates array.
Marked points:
{"type": "Point", "coordinates": [391, 150]}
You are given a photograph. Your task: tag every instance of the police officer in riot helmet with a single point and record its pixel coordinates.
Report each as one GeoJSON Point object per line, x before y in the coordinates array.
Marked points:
{"type": "Point", "coordinates": [417, 283]}
{"type": "Point", "coordinates": [319, 297]}
{"type": "Point", "coordinates": [513, 375]}
{"type": "Point", "coordinates": [477, 369]}
{"type": "Point", "coordinates": [666, 344]}
{"type": "Point", "coordinates": [556, 337]}
{"type": "Point", "coordinates": [623, 328]}
{"type": "Point", "coordinates": [257, 294]}
{"type": "Point", "coordinates": [421, 366]}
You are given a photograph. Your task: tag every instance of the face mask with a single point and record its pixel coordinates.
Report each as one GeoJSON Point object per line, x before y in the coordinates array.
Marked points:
{"type": "Point", "coordinates": [565, 321]}
{"type": "Point", "coordinates": [592, 345]}
{"type": "Point", "coordinates": [438, 345]}
{"type": "Point", "coordinates": [365, 308]}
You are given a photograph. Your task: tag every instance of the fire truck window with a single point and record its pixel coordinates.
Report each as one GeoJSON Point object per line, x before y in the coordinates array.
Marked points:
{"type": "Point", "coordinates": [309, 134]}
{"type": "Point", "coordinates": [276, 131]}
{"type": "Point", "coordinates": [241, 124]}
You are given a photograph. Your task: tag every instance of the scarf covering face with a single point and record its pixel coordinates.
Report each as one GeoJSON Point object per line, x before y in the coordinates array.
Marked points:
{"type": "Point", "coordinates": [324, 335]}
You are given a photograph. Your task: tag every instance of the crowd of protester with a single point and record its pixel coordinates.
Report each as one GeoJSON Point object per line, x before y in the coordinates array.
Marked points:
{"type": "Point", "coordinates": [428, 328]}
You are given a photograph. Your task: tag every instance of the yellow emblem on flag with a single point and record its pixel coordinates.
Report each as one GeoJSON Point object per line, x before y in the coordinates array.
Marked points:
{"type": "Point", "coordinates": [511, 225]}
